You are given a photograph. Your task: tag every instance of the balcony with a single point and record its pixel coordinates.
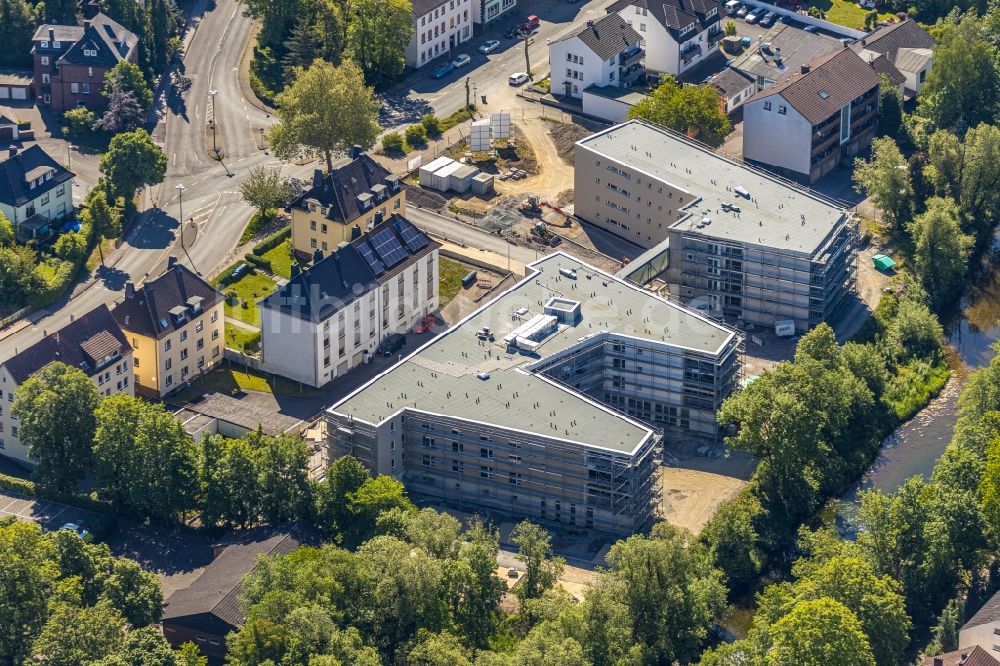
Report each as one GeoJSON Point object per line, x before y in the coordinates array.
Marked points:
{"type": "Point", "coordinates": [629, 75]}
{"type": "Point", "coordinates": [630, 57]}
{"type": "Point", "coordinates": [690, 52]}
{"type": "Point", "coordinates": [715, 36]}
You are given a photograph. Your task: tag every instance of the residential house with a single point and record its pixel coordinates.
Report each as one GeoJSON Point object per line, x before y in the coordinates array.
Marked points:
{"type": "Point", "coordinates": [548, 403]}
{"type": "Point", "coordinates": [740, 243]}
{"type": "Point", "coordinates": [210, 608]}
{"type": "Point", "coordinates": [351, 195]}
{"type": "Point", "coordinates": [813, 120]}
{"type": "Point", "coordinates": [485, 12]}
{"type": "Point", "coordinates": [676, 34]}
{"type": "Point", "coordinates": [70, 61]}
{"type": "Point", "coordinates": [907, 46]}
{"type": "Point", "coordinates": [734, 87]}
{"type": "Point", "coordinates": [777, 53]}
{"type": "Point", "coordinates": [332, 317]}
{"type": "Point", "coordinates": [439, 26]}
{"type": "Point", "coordinates": [983, 629]}
{"type": "Point", "coordinates": [92, 343]}
{"type": "Point", "coordinates": [605, 52]}
{"type": "Point", "coordinates": [175, 325]}
{"type": "Point", "coordinates": [976, 656]}
{"type": "Point", "coordinates": [35, 191]}
{"type": "Point", "coordinates": [9, 130]}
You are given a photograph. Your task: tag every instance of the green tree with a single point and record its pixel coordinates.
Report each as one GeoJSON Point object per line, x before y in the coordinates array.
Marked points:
{"type": "Point", "coordinates": [144, 461]}
{"type": "Point", "coordinates": [78, 122]}
{"type": "Point", "coordinates": [18, 279]}
{"type": "Point", "coordinates": [963, 88]}
{"type": "Point", "coordinates": [734, 543]}
{"type": "Point", "coordinates": [190, 655]}
{"type": "Point", "coordinates": [944, 634]}
{"type": "Point", "coordinates": [132, 161]}
{"type": "Point", "coordinates": [374, 497]}
{"type": "Point", "coordinates": [17, 25]}
{"type": "Point", "coordinates": [377, 35]}
{"type": "Point", "coordinates": [671, 590]}
{"type": "Point", "coordinates": [693, 110]}
{"type": "Point", "coordinates": [886, 179]}
{"type": "Point", "coordinates": [28, 573]}
{"type": "Point", "coordinates": [265, 190]}
{"type": "Point", "coordinates": [344, 476]}
{"type": "Point", "coordinates": [61, 12]}
{"type": "Point", "coordinates": [6, 231]}
{"type": "Point", "coordinates": [890, 113]}
{"type": "Point", "coordinates": [730, 29]}
{"type": "Point", "coordinates": [135, 593]}
{"type": "Point", "coordinates": [302, 46]}
{"type": "Point", "coordinates": [989, 491]}
{"type": "Point", "coordinates": [442, 649]}
{"type": "Point", "coordinates": [127, 77]}
{"type": "Point", "coordinates": [821, 632]}
{"type": "Point", "coordinates": [326, 110]}
{"type": "Point", "coordinates": [534, 549]}
{"type": "Point", "coordinates": [104, 220]}
{"type": "Point", "coordinates": [942, 252]}
{"type": "Point", "coordinates": [71, 247]}
{"type": "Point", "coordinates": [56, 411]}
{"type": "Point", "coordinates": [283, 465]}
{"type": "Point", "coordinates": [231, 490]}
{"type": "Point", "coordinates": [142, 647]}
{"type": "Point", "coordinates": [476, 589]}
{"type": "Point", "coordinates": [75, 635]}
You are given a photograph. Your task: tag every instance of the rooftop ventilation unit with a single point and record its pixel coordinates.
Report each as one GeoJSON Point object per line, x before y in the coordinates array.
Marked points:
{"type": "Point", "coordinates": [742, 191]}
{"type": "Point", "coordinates": [563, 309]}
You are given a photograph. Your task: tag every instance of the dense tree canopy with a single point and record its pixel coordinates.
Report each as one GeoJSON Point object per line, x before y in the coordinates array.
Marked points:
{"type": "Point", "coordinates": [689, 109]}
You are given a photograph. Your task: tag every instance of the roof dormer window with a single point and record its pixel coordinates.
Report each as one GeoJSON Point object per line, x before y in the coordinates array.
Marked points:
{"type": "Point", "coordinates": [45, 44]}
{"type": "Point", "coordinates": [90, 53]}
{"type": "Point", "coordinates": [56, 45]}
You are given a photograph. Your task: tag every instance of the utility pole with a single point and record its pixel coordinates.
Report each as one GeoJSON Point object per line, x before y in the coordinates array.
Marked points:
{"type": "Point", "coordinates": [180, 193]}
{"type": "Point", "coordinates": [467, 109]}
{"type": "Point", "coordinates": [212, 94]}
{"type": "Point", "coordinates": [527, 60]}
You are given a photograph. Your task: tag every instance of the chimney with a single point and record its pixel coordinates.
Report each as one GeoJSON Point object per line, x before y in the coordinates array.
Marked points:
{"type": "Point", "coordinates": [317, 177]}
{"type": "Point", "coordinates": [805, 69]}
{"type": "Point", "coordinates": [938, 661]}
{"type": "Point", "coordinates": [295, 270]}
{"type": "Point", "coordinates": [86, 24]}
{"type": "Point", "coordinates": [777, 54]}
{"type": "Point", "coordinates": [171, 261]}
{"type": "Point", "coordinates": [52, 34]}
{"type": "Point", "coordinates": [317, 256]}
{"type": "Point", "coordinates": [355, 232]}
{"type": "Point", "coordinates": [356, 152]}
{"type": "Point", "coordinates": [12, 150]}
{"type": "Point", "coordinates": [129, 289]}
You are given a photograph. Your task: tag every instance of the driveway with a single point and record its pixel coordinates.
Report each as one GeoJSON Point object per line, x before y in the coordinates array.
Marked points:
{"type": "Point", "coordinates": [49, 515]}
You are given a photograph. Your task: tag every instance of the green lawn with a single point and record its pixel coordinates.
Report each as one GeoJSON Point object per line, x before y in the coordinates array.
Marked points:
{"type": "Point", "coordinates": [450, 275]}
{"type": "Point", "coordinates": [250, 288]}
{"type": "Point", "coordinates": [281, 259]}
{"type": "Point", "coordinates": [242, 340]}
{"type": "Point", "coordinates": [844, 12]}
{"type": "Point", "coordinates": [224, 380]}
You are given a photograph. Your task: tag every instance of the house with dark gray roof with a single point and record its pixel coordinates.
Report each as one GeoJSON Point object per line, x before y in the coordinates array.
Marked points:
{"type": "Point", "coordinates": [35, 191]}
{"type": "Point", "coordinates": [905, 47]}
{"type": "Point", "coordinates": [813, 119]}
{"type": "Point", "coordinates": [70, 61]}
{"type": "Point", "coordinates": [175, 324]}
{"type": "Point", "coordinates": [676, 34]}
{"type": "Point", "coordinates": [211, 607]}
{"type": "Point", "coordinates": [331, 317]}
{"type": "Point", "coordinates": [603, 53]}
{"type": "Point", "coordinates": [983, 628]}
{"type": "Point", "coordinates": [975, 656]}
{"type": "Point", "coordinates": [92, 343]}
{"type": "Point", "coordinates": [356, 193]}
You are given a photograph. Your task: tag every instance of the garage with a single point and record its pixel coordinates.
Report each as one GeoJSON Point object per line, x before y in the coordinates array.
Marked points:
{"type": "Point", "coordinates": [19, 93]}
{"type": "Point", "coordinates": [4, 92]}
{"type": "Point", "coordinates": [15, 86]}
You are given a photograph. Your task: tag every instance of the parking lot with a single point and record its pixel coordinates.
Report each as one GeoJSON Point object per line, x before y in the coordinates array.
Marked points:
{"type": "Point", "coordinates": [50, 515]}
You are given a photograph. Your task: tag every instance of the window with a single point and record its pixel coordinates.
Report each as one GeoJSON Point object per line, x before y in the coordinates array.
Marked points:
{"type": "Point", "coordinates": [45, 199]}
{"type": "Point", "coordinates": [197, 327]}
{"type": "Point", "coordinates": [74, 87]}
{"type": "Point", "coordinates": [45, 60]}
{"type": "Point", "coordinates": [170, 380]}
{"type": "Point", "coordinates": [215, 316]}
{"type": "Point", "coordinates": [486, 472]}
{"type": "Point", "coordinates": [782, 109]}
{"type": "Point", "coordinates": [90, 71]}
{"type": "Point", "coordinates": [767, 106]}
{"type": "Point", "coordinates": [486, 453]}
{"type": "Point", "coordinates": [184, 336]}
{"type": "Point", "coordinates": [166, 346]}
{"type": "Point", "coordinates": [168, 364]}
{"type": "Point", "coordinates": [86, 88]}
{"type": "Point", "coordinates": [642, 27]}
{"type": "Point", "coordinates": [90, 53]}
{"type": "Point", "coordinates": [45, 44]}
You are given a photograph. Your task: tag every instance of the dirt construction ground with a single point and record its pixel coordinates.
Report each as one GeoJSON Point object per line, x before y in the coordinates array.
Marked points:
{"type": "Point", "coordinates": [692, 488]}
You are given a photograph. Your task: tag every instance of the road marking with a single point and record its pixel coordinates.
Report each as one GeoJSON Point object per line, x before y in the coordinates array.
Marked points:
{"type": "Point", "coordinates": [52, 518]}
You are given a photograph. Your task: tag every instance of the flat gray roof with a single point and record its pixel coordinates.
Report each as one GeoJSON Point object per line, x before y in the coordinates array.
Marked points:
{"type": "Point", "coordinates": [441, 377]}
{"type": "Point", "coordinates": [797, 47]}
{"type": "Point", "coordinates": [778, 214]}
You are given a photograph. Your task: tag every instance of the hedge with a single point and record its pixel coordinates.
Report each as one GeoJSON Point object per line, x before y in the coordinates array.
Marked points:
{"type": "Point", "coordinates": [259, 262]}
{"type": "Point", "coordinates": [272, 241]}
{"type": "Point", "coordinates": [53, 291]}
{"type": "Point", "coordinates": [226, 276]}
{"type": "Point", "coordinates": [32, 489]}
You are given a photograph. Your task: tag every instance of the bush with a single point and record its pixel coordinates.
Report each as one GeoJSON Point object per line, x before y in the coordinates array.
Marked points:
{"type": "Point", "coordinates": [78, 122]}
{"type": "Point", "coordinates": [253, 227]}
{"type": "Point", "coordinates": [260, 262]}
{"type": "Point", "coordinates": [392, 143]}
{"type": "Point", "coordinates": [816, 12]}
{"type": "Point", "coordinates": [31, 489]}
{"type": "Point", "coordinates": [54, 289]}
{"type": "Point", "coordinates": [431, 125]}
{"type": "Point", "coordinates": [730, 28]}
{"type": "Point", "coordinates": [416, 135]}
{"type": "Point", "coordinates": [272, 241]}
{"type": "Point", "coordinates": [71, 246]}
{"type": "Point", "coordinates": [226, 276]}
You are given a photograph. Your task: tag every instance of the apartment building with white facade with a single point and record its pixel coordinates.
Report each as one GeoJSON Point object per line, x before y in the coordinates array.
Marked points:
{"type": "Point", "coordinates": [92, 343]}
{"type": "Point", "coordinates": [35, 192]}
{"type": "Point", "coordinates": [176, 326]}
{"type": "Point", "coordinates": [907, 46]}
{"type": "Point", "coordinates": [439, 26]}
{"type": "Point", "coordinates": [551, 402]}
{"type": "Point", "coordinates": [676, 34]}
{"type": "Point", "coordinates": [741, 244]}
{"type": "Point", "coordinates": [603, 53]}
{"type": "Point", "coordinates": [332, 317]}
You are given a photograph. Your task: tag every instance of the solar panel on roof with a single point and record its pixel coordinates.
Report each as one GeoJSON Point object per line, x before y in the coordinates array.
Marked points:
{"type": "Point", "coordinates": [388, 247]}
{"type": "Point", "coordinates": [411, 236]}
{"type": "Point", "coordinates": [373, 262]}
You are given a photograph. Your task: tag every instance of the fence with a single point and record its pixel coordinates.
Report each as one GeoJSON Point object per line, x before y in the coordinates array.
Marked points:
{"type": "Point", "coordinates": [11, 318]}
{"type": "Point", "coordinates": [236, 356]}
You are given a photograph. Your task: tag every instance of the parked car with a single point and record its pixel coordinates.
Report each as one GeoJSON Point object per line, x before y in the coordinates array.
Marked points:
{"type": "Point", "coordinates": [426, 324]}
{"type": "Point", "coordinates": [868, 4]}
{"type": "Point", "coordinates": [732, 6]}
{"type": "Point", "coordinates": [489, 46]}
{"type": "Point", "coordinates": [77, 530]}
{"type": "Point", "coordinates": [442, 71]}
{"type": "Point", "coordinates": [752, 16]}
{"type": "Point", "coordinates": [809, 28]}
{"type": "Point", "coordinates": [393, 343]}
{"type": "Point", "coordinates": [517, 79]}
{"type": "Point", "coordinates": [512, 32]}
{"type": "Point", "coordinates": [530, 25]}
{"type": "Point", "coordinates": [742, 11]}
{"type": "Point", "coordinates": [461, 60]}
{"type": "Point", "coordinates": [769, 19]}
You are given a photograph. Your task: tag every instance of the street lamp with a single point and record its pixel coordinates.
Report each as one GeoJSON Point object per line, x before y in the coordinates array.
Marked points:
{"type": "Point", "coordinates": [180, 193]}
{"type": "Point", "coordinates": [212, 94]}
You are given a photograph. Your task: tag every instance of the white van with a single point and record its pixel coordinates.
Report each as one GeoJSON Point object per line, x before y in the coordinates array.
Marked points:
{"type": "Point", "coordinates": [732, 6]}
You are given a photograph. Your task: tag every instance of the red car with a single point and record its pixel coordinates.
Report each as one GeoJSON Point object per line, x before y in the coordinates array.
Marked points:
{"type": "Point", "coordinates": [530, 25]}
{"type": "Point", "coordinates": [426, 324]}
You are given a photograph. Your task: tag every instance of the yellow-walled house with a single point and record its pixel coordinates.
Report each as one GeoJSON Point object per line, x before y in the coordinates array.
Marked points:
{"type": "Point", "coordinates": [175, 325]}
{"type": "Point", "coordinates": [358, 192]}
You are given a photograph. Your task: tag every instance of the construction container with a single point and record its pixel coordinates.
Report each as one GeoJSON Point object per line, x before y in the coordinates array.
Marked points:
{"type": "Point", "coordinates": [461, 179]}
{"type": "Point", "coordinates": [479, 139]}
{"type": "Point", "coordinates": [427, 171]}
{"type": "Point", "coordinates": [482, 183]}
{"type": "Point", "coordinates": [883, 262]}
{"type": "Point", "coordinates": [500, 125]}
